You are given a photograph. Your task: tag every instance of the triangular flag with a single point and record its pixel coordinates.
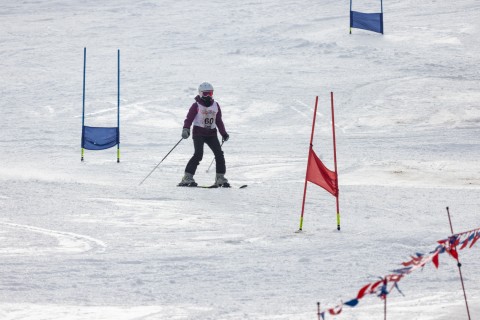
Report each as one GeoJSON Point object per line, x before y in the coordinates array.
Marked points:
{"type": "Point", "coordinates": [363, 291]}
{"type": "Point", "coordinates": [477, 236]}
{"type": "Point", "coordinates": [336, 310]}
{"type": "Point", "coordinates": [319, 174]}
{"type": "Point", "coordinates": [435, 260]}
{"type": "Point", "coordinates": [352, 303]}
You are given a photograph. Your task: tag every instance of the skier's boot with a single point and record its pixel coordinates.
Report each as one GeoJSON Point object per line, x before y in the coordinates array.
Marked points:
{"type": "Point", "coordinates": [187, 181]}
{"type": "Point", "coordinates": [221, 181]}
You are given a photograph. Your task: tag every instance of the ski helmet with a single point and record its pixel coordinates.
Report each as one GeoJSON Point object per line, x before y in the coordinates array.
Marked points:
{"type": "Point", "coordinates": [206, 88]}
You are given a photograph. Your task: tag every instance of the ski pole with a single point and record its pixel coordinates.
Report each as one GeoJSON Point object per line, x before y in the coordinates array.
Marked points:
{"type": "Point", "coordinates": [214, 158]}
{"type": "Point", "coordinates": [161, 161]}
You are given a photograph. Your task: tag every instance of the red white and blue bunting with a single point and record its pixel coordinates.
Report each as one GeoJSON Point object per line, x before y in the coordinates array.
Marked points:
{"type": "Point", "coordinates": [385, 285]}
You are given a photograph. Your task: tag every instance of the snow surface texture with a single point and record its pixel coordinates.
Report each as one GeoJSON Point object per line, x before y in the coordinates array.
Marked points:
{"type": "Point", "coordinates": [85, 241]}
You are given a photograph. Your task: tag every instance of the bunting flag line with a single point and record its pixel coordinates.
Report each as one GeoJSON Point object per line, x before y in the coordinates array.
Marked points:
{"type": "Point", "coordinates": [451, 245]}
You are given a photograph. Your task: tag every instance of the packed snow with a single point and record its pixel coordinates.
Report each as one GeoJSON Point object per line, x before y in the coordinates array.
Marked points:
{"type": "Point", "coordinates": [83, 240]}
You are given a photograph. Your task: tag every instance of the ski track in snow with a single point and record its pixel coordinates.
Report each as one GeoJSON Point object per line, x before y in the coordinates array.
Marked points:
{"type": "Point", "coordinates": [67, 242]}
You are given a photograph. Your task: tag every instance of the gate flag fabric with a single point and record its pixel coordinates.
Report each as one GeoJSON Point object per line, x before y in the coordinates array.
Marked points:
{"type": "Point", "coordinates": [320, 175]}
{"type": "Point", "coordinates": [367, 21]}
{"type": "Point", "coordinates": [99, 138]}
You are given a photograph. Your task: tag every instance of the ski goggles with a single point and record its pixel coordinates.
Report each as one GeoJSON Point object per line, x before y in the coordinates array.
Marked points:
{"type": "Point", "coordinates": [207, 93]}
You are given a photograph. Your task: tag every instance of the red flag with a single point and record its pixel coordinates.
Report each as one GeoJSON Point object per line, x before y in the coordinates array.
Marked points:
{"type": "Point", "coordinates": [319, 174]}
{"type": "Point", "coordinates": [363, 291]}
{"type": "Point", "coordinates": [336, 310]}
{"type": "Point", "coordinates": [477, 236]}
{"type": "Point", "coordinates": [435, 260]}
{"type": "Point", "coordinates": [465, 242]}
{"type": "Point", "coordinates": [453, 252]}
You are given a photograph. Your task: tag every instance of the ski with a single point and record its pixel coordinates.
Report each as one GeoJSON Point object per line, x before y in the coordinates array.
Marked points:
{"type": "Point", "coordinates": [216, 187]}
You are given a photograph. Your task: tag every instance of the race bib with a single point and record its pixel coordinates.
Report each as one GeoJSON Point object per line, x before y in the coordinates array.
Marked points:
{"type": "Point", "coordinates": [206, 116]}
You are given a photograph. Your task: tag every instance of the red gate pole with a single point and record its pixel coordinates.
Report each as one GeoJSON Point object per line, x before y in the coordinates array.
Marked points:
{"type": "Point", "coordinates": [459, 265]}
{"type": "Point", "coordinates": [308, 163]}
{"type": "Point", "coordinates": [335, 160]}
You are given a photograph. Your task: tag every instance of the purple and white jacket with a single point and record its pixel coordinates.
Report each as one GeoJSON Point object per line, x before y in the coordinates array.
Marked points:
{"type": "Point", "coordinates": [205, 119]}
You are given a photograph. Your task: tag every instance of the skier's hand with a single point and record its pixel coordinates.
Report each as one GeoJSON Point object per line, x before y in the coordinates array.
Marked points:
{"type": "Point", "coordinates": [225, 137]}
{"type": "Point", "coordinates": [185, 133]}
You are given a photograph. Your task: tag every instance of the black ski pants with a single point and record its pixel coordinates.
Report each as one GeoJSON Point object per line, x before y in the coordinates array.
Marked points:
{"type": "Point", "coordinates": [213, 143]}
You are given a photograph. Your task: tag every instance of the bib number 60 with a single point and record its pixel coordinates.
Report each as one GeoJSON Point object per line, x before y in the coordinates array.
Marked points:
{"type": "Point", "coordinates": [209, 122]}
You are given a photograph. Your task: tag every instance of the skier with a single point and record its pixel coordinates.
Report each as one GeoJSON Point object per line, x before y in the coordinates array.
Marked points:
{"type": "Point", "coordinates": [206, 116]}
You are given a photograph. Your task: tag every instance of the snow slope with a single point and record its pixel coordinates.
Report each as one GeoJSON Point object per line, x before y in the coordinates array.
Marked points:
{"type": "Point", "coordinates": [85, 241]}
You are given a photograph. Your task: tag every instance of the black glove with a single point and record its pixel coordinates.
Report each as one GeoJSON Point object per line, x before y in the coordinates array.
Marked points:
{"type": "Point", "coordinates": [225, 137]}
{"type": "Point", "coordinates": [185, 133]}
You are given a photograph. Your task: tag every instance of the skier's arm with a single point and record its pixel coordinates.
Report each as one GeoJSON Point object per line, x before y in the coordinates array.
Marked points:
{"type": "Point", "coordinates": [219, 122]}
{"type": "Point", "coordinates": [190, 116]}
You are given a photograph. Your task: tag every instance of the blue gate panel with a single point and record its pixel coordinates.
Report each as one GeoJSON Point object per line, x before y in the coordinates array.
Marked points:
{"type": "Point", "coordinates": [99, 138]}
{"type": "Point", "coordinates": [367, 21]}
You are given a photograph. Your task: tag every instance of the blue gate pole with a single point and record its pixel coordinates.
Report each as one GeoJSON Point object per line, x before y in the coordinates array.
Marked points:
{"type": "Point", "coordinates": [83, 100]}
{"type": "Point", "coordinates": [350, 16]}
{"type": "Point", "coordinates": [118, 107]}
{"type": "Point", "coordinates": [381, 15]}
